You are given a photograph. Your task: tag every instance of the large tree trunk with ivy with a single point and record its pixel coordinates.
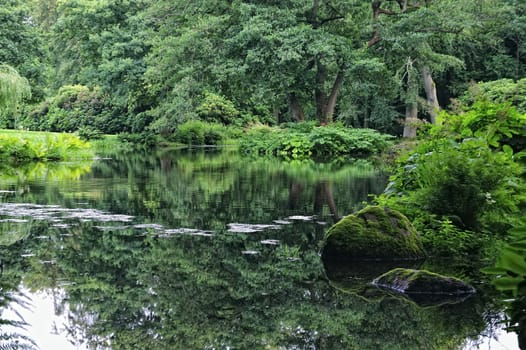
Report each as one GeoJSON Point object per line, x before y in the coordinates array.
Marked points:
{"type": "Point", "coordinates": [431, 94]}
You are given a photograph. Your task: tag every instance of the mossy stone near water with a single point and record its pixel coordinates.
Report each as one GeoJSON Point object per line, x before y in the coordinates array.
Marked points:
{"type": "Point", "coordinates": [411, 281]}
{"type": "Point", "coordinates": [373, 233]}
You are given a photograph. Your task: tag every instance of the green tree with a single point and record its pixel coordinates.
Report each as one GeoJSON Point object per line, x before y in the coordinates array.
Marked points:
{"type": "Point", "coordinates": [22, 46]}
{"type": "Point", "coordinates": [13, 89]}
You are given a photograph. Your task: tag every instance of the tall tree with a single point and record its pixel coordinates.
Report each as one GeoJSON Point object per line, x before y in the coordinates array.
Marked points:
{"type": "Point", "coordinates": [283, 55]}
{"type": "Point", "coordinates": [416, 37]}
{"type": "Point", "coordinates": [13, 88]}
{"type": "Point", "coordinates": [22, 46]}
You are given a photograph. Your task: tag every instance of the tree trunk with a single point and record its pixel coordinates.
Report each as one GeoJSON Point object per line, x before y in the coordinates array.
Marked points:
{"type": "Point", "coordinates": [431, 94]}
{"type": "Point", "coordinates": [319, 94]}
{"type": "Point", "coordinates": [411, 118]}
{"type": "Point", "coordinates": [331, 103]}
{"type": "Point", "coordinates": [295, 108]}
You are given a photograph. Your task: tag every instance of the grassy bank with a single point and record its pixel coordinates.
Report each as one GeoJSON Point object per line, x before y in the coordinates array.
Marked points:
{"type": "Point", "coordinates": [22, 146]}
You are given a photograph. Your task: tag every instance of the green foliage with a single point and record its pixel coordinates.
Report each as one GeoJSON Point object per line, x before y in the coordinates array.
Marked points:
{"type": "Point", "coordinates": [13, 88]}
{"type": "Point", "coordinates": [196, 132]}
{"type": "Point", "coordinates": [217, 109]}
{"type": "Point", "coordinates": [498, 92]}
{"type": "Point", "coordinates": [442, 237]}
{"type": "Point", "coordinates": [146, 139]}
{"type": "Point", "coordinates": [467, 182]}
{"type": "Point", "coordinates": [26, 146]}
{"type": "Point", "coordinates": [88, 133]}
{"type": "Point", "coordinates": [72, 108]}
{"type": "Point", "coordinates": [306, 141]}
{"type": "Point", "coordinates": [498, 124]}
{"type": "Point", "coordinates": [509, 276]}
{"type": "Point", "coordinates": [23, 47]}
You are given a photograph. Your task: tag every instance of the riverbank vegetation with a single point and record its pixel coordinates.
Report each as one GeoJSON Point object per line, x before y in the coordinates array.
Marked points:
{"type": "Point", "coordinates": [23, 146]}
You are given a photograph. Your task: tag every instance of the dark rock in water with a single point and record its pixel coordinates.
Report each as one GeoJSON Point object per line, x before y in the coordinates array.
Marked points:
{"type": "Point", "coordinates": [366, 271]}
{"type": "Point", "coordinates": [374, 233]}
{"type": "Point", "coordinates": [409, 281]}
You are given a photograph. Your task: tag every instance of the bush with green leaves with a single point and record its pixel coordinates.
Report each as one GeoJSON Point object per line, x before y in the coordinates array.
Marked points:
{"type": "Point", "coordinates": [196, 132]}
{"type": "Point", "coordinates": [72, 108]}
{"type": "Point", "coordinates": [509, 277]}
{"type": "Point", "coordinates": [216, 108]}
{"type": "Point", "coordinates": [89, 133]}
{"type": "Point", "coordinates": [497, 91]}
{"type": "Point", "coordinates": [474, 186]}
{"type": "Point", "coordinates": [142, 140]}
{"type": "Point", "coordinates": [305, 141]}
{"type": "Point", "coordinates": [498, 123]}
{"type": "Point", "coordinates": [43, 147]}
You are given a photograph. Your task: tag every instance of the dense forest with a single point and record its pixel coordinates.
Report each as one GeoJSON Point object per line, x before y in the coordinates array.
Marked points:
{"type": "Point", "coordinates": [149, 66]}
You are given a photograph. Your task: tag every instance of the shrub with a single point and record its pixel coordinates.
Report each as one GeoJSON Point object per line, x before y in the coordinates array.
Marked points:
{"type": "Point", "coordinates": [217, 109]}
{"type": "Point", "coordinates": [468, 183]}
{"type": "Point", "coordinates": [497, 92]}
{"type": "Point", "coordinates": [139, 140]}
{"type": "Point", "coordinates": [75, 107]}
{"type": "Point", "coordinates": [305, 141]}
{"type": "Point", "coordinates": [43, 147]}
{"type": "Point", "coordinates": [499, 124]}
{"type": "Point", "coordinates": [509, 276]}
{"type": "Point", "coordinates": [88, 133]}
{"type": "Point", "coordinates": [196, 132]}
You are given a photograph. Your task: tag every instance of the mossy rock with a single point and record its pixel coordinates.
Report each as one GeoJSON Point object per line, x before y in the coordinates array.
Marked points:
{"type": "Point", "coordinates": [409, 281]}
{"type": "Point", "coordinates": [373, 233]}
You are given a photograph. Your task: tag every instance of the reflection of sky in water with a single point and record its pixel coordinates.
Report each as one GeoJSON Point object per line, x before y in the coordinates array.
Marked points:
{"type": "Point", "coordinates": [44, 327]}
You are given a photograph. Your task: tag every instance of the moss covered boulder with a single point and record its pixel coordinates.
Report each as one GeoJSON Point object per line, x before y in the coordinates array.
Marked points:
{"type": "Point", "coordinates": [409, 281]}
{"type": "Point", "coordinates": [373, 233]}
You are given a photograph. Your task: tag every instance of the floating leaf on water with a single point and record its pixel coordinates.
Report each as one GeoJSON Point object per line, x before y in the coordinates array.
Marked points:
{"type": "Point", "coordinates": [282, 222]}
{"type": "Point", "coordinates": [111, 228]}
{"type": "Point", "coordinates": [61, 225]}
{"type": "Point", "coordinates": [47, 262]}
{"type": "Point", "coordinates": [250, 252]}
{"type": "Point", "coordinates": [152, 226]}
{"type": "Point", "coordinates": [56, 213]}
{"type": "Point", "coordinates": [270, 241]}
{"type": "Point", "coordinates": [301, 218]}
{"type": "Point", "coordinates": [185, 231]}
{"type": "Point", "coordinates": [250, 228]}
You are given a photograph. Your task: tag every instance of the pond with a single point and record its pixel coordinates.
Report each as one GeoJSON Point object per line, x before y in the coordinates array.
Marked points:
{"type": "Point", "coordinates": [203, 249]}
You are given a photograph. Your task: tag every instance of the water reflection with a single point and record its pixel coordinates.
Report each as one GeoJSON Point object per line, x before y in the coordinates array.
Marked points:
{"type": "Point", "coordinates": [202, 251]}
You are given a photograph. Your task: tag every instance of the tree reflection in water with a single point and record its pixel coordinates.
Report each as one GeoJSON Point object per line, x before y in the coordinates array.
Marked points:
{"type": "Point", "coordinates": [159, 268]}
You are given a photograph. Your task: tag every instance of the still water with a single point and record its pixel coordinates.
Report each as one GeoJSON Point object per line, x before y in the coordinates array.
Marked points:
{"type": "Point", "coordinates": [203, 249]}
